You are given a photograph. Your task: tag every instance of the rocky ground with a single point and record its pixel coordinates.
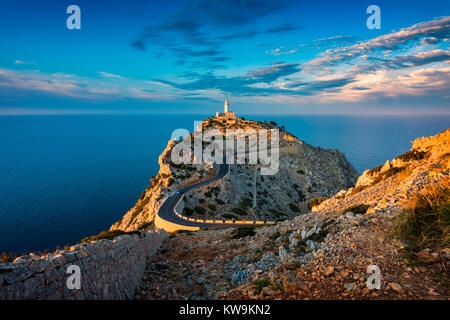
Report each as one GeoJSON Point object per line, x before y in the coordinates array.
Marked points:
{"type": "Point", "coordinates": [318, 255]}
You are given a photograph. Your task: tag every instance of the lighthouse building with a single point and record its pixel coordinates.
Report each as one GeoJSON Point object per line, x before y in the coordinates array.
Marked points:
{"type": "Point", "coordinates": [226, 114]}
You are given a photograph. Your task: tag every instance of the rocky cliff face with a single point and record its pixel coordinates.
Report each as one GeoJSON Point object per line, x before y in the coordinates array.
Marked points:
{"type": "Point", "coordinates": [304, 172]}
{"type": "Point", "coordinates": [322, 254]}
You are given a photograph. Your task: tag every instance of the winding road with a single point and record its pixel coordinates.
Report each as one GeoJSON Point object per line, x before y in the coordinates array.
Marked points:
{"type": "Point", "coordinates": [167, 209]}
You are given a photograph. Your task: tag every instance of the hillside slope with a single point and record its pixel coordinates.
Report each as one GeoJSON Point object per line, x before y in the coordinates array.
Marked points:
{"type": "Point", "coordinates": [304, 172]}
{"type": "Point", "coordinates": [322, 254]}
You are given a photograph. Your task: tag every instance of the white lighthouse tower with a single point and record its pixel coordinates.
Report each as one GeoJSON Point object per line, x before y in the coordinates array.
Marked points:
{"type": "Point", "coordinates": [226, 114]}
{"type": "Point", "coordinates": [226, 106]}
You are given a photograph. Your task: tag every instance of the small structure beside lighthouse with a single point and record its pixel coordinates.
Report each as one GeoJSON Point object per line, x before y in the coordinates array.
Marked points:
{"type": "Point", "coordinates": [226, 114]}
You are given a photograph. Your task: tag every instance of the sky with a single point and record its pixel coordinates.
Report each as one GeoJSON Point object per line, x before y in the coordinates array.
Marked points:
{"type": "Point", "coordinates": [186, 57]}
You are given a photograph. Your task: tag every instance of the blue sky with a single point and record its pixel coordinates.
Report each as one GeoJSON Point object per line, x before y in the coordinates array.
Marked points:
{"type": "Point", "coordinates": [266, 56]}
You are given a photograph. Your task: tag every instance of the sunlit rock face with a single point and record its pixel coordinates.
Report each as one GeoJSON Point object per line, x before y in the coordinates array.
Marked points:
{"type": "Point", "coordinates": [304, 172]}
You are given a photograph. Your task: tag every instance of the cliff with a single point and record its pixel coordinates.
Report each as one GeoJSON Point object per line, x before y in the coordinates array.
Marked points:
{"type": "Point", "coordinates": [325, 254]}
{"type": "Point", "coordinates": [304, 172]}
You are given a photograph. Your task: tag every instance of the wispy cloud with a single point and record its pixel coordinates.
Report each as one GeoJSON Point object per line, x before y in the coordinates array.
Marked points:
{"type": "Point", "coordinates": [109, 75]}
{"type": "Point", "coordinates": [411, 62]}
{"type": "Point", "coordinates": [110, 87]}
{"type": "Point", "coordinates": [23, 62]}
{"type": "Point", "coordinates": [199, 30]}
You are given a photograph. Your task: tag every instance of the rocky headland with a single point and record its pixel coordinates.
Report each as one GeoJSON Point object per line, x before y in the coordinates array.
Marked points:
{"type": "Point", "coordinates": [325, 253]}
{"type": "Point", "coordinates": [305, 172]}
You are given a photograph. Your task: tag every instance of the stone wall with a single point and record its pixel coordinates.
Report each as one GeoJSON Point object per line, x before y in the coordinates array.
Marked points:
{"type": "Point", "coordinates": [109, 270]}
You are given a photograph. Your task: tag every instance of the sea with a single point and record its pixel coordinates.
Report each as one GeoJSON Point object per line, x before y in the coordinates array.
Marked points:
{"type": "Point", "coordinates": [65, 177]}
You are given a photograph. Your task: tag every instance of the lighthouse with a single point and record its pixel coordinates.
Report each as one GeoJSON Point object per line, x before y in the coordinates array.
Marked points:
{"type": "Point", "coordinates": [226, 114]}
{"type": "Point", "coordinates": [226, 106]}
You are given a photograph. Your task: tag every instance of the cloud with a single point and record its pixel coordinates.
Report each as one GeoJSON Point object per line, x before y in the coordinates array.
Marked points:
{"type": "Point", "coordinates": [438, 29]}
{"type": "Point", "coordinates": [281, 51]}
{"type": "Point", "coordinates": [23, 62]}
{"type": "Point", "coordinates": [109, 87]}
{"type": "Point", "coordinates": [198, 30]}
{"type": "Point", "coordinates": [109, 75]}
{"type": "Point", "coordinates": [256, 82]}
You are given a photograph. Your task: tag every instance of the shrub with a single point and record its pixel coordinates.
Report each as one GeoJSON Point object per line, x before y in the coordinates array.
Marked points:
{"type": "Point", "coordinates": [199, 210]}
{"type": "Point", "coordinates": [357, 209]}
{"type": "Point", "coordinates": [302, 247]}
{"type": "Point", "coordinates": [374, 170]}
{"type": "Point", "coordinates": [315, 202]}
{"type": "Point", "coordinates": [294, 207]}
{"type": "Point", "coordinates": [212, 207]}
{"type": "Point", "coordinates": [262, 283]}
{"type": "Point", "coordinates": [145, 225]}
{"type": "Point", "coordinates": [388, 173]}
{"type": "Point", "coordinates": [229, 216]}
{"type": "Point", "coordinates": [246, 203]}
{"type": "Point", "coordinates": [239, 211]}
{"type": "Point", "coordinates": [220, 201]}
{"type": "Point", "coordinates": [276, 213]}
{"type": "Point", "coordinates": [412, 155]}
{"type": "Point", "coordinates": [107, 235]}
{"type": "Point", "coordinates": [301, 195]}
{"type": "Point", "coordinates": [241, 232]}
{"type": "Point", "coordinates": [186, 232]}
{"type": "Point", "coordinates": [301, 171]}
{"type": "Point", "coordinates": [142, 204]}
{"type": "Point", "coordinates": [262, 202]}
{"type": "Point", "coordinates": [188, 211]}
{"type": "Point", "coordinates": [426, 223]}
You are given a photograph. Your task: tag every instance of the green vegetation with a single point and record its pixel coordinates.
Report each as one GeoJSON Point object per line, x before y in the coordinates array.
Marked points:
{"type": "Point", "coordinates": [301, 246]}
{"type": "Point", "coordinates": [301, 171]}
{"type": "Point", "coordinates": [186, 232]}
{"type": "Point", "coordinates": [262, 202]}
{"type": "Point", "coordinates": [426, 223]}
{"type": "Point", "coordinates": [220, 201]}
{"type": "Point", "coordinates": [240, 232]}
{"type": "Point", "coordinates": [315, 202]}
{"type": "Point", "coordinates": [262, 283]}
{"type": "Point", "coordinates": [239, 211]}
{"type": "Point", "coordinates": [357, 209]}
{"type": "Point", "coordinates": [107, 235]}
{"type": "Point", "coordinates": [246, 203]}
{"type": "Point", "coordinates": [375, 170]}
{"type": "Point", "coordinates": [412, 155]}
{"type": "Point", "coordinates": [388, 173]}
{"type": "Point", "coordinates": [294, 207]}
{"type": "Point", "coordinates": [138, 209]}
{"type": "Point", "coordinates": [145, 225]}
{"type": "Point", "coordinates": [188, 211]}
{"type": "Point", "coordinates": [199, 210]}
{"type": "Point", "coordinates": [278, 215]}
{"type": "Point", "coordinates": [301, 195]}
{"type": "Point", "coordinates": [212, 207]}
{"type": "Point", "coordinates": [229, 216]}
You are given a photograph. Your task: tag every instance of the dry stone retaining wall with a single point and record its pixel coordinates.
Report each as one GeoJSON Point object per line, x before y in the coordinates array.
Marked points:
{"type": "Point", "coordinates": [109, 270]}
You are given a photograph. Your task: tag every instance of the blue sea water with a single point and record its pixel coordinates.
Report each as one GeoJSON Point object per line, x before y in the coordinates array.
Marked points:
{"type": "Point", "coordinates": [66, 177]}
